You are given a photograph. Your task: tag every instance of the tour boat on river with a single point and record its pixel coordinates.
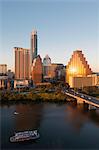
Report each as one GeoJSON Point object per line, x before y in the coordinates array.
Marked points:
{"type": "Point", "coordinates": [16, 113]}
{"type": "Point", "coordinates": [25, 136]}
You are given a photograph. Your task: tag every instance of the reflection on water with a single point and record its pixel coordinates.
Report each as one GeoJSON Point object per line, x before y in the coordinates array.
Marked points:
{"type": "Point", "coordinates": [60, 126]}
{"type": "Point", "coordinates": [29, 116]}
{"type": "Point", "coordinates": [76, 117]}
{"type": "Point", "coordinates": [80, 114]}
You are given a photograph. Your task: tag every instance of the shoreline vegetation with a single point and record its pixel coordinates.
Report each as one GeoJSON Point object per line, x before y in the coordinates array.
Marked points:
{"type": "Point", "coordinates": [39, 94]}
{"type": "Point", "coordinates": [51, 93]}
{"type": "Point", "coordinates": [34, 97]}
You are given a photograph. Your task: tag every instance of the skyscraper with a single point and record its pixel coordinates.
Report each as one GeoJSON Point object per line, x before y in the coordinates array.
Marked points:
{"type": "Point", "coordinates": [22, 63]}
{"type": "Point", "coordinates": [33, 45]}
{"type": "Point", "coordinates": [77, 66]}
{"type": "Point", "coordinates": [37, 71]}
{"type": "Point", "coordinates": [47, 67]}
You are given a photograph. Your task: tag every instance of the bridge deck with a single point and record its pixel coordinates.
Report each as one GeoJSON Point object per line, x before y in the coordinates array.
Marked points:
{"type": "Point", "coordinates": [93, 101]}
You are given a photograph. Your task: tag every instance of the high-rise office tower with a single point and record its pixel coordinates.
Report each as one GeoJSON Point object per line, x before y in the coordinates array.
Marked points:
{"type": "Point", "coordinates": [33, 45]}
{"type": "Point", "coordinates": [37, 71]}
{"type": "Point", "coordinates": [47, 67]}
{"type": "Point", "coordinates": [22, 63]}
{"type": "Point", "coordinates": [77, 66]}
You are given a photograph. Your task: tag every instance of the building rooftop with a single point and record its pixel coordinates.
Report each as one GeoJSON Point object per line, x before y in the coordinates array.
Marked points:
{"type": "Point", "coordinates": [34, 32]}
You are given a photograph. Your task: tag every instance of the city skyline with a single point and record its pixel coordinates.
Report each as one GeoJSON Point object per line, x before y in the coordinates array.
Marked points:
{"type": "Point", "coordinates": [62, 27]}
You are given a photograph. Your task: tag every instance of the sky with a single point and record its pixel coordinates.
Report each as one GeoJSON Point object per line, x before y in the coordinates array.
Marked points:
{"type": "Point", "coordinates": [62, 27]}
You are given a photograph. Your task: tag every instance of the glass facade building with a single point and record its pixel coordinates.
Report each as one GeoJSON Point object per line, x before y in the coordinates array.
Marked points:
{"type": "Point", "coordinates": [47, 67]}
{"type": "Point", "coordinates": [33, 45]}
{"type": "Point", "coordinates": [77, 66]}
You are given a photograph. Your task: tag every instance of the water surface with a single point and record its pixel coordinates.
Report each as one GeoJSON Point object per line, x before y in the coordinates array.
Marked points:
{"type": "Point", "coordinates": [61, 126]}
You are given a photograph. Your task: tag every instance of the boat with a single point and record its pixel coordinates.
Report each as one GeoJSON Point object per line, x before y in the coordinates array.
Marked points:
{"type": "Point", "coordinates": [25, 136]}
{"type": "Point", "coordinates": [16, 113]}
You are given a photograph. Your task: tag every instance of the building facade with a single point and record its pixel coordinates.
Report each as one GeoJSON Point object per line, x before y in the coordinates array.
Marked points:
{"type": "Point", "coordinates": [22, 63]}
{"type": "Point", "coordinates": [3, 69]}
{"type": "Point", "coordinates": [21, 83]}
{"type": "Point", "coordinates": [6, 83]}
{"type": "Point", "coordinates": [57, 71]}
{"type": "Point", "coordinates": [33, 45]}
{"type": "Point", "coordinates": [37, 70]}
{"type": "Point", "coordinates": [47, 67]}
{"type": "Point", "coordinates": [10, 74]}
{"type": "Point", "coordinates": [77, 66]}
{"type": "Point", "coordinates": [3, 82]}
{"type": "Point", "coordinates": [80, 82]}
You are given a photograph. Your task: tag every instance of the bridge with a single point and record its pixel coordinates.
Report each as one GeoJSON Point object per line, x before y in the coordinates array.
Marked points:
{"type": "Point", "coordinates": [83, 98]}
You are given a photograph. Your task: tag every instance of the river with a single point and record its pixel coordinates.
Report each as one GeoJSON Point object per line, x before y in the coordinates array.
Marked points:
{"type": "Point", "coordinates": [61, 126]}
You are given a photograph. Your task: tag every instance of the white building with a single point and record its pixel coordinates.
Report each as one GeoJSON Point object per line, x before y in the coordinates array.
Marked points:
{"type": "Point", "coordinates": [47, 67]}
{"type": "Point", "coordinates": [21, 83]}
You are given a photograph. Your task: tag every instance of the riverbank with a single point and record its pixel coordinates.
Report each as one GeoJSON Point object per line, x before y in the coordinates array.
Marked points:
{"type": "Point", "coordinates": [34, 96]}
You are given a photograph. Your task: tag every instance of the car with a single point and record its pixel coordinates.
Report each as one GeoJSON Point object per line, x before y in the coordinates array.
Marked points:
{"type": "Point", "coordinates": [82, 96]}
{"type": "Point", "coordinates": [72, 90]}
{"type": "Point", "coordinates": [77, 93]}
{"type": "Point", "coordinates": [89, 98]}
{"type": "Point", "coordinates": [66, 90]}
